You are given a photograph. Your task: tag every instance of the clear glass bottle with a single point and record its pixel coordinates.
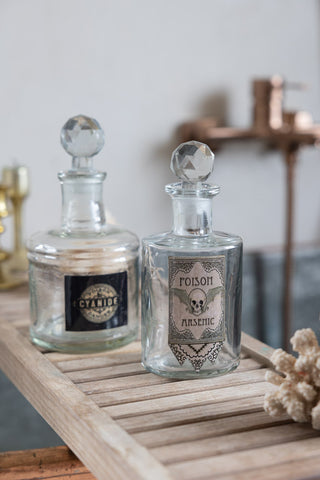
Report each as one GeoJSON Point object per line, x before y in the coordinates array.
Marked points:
{"type": "Point", "coordinates": [191, 280]}
{"type": "Point", "coordinates": [84, 276]}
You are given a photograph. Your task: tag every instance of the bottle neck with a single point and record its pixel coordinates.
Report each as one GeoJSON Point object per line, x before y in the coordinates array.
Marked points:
{"type": "Point", "coordinates": [192, 216]}
{"type": "Point", "coordinates": [82, 204]}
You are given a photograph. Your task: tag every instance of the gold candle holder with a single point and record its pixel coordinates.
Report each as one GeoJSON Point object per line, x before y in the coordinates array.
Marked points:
{"type": "Point", "coordinates": [16, 179]}
{"type": "Point", "coordinates": [6, 279]}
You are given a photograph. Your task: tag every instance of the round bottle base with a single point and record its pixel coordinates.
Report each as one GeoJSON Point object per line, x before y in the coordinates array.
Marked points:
{"type": "Point", "coordinates": [173, 372]}
{"type": "Point", "coordinates": [84, 346]}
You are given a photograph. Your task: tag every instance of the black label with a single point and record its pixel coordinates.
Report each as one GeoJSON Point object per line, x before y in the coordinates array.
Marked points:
{"type": "Point", "coordinates": [96, 302]}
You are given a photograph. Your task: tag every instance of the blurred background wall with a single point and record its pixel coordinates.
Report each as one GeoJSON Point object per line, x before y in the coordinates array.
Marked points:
{"type": "Point", "coordinates": [141, 68]}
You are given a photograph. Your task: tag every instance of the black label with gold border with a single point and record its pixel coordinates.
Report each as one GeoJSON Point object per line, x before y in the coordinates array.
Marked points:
{"type": "Point", "coordinates": [96, 302]}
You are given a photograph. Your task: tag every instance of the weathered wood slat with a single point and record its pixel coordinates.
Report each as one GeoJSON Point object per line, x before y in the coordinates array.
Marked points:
{"type": "Point", "coordinates": [302, 469]}
{"type": "Point", "coordinates": [132, 348]}
{"type": "Point", "coordinates": [176, 388]}
{"type": "Point", "coordinates": [73, 415]}
{"type": "Point", "coordinates": [97, 362]}
{"type": "Point", "coordinates": [189, 399]}
{"type": "Point", "coordinates": [148, 379]}
{"type": "Point", "coordinates": [183, 416]}
{"type": "Point", "coordinates": [247, 364]}
{"type": "Point", "coordinates": [121, 383]}
{"type": "Point", "coordinates": [126, 423]}
{"type": "Point", "coordinates": [256, 349]}
{"type": "Point", "coordinates": [207, 429]}
{"type": "Point", "coordinates": [235, 442]}
{"type": "Point", "coordinates": [238, 461]}
{"type": "Point", "coordinates": [113, 371]}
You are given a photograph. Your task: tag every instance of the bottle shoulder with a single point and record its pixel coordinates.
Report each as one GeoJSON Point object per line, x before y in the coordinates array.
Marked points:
{"type": "Point", "coordinates": [216, 239]}
{"type": "Point", "coordinates": [56, 241]}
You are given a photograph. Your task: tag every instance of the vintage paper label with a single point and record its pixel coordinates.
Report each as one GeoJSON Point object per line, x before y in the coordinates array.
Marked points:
{"type": "Point", "coordinates": [95, 302]}
{"type": "Point", "coordinates": [196, 308]}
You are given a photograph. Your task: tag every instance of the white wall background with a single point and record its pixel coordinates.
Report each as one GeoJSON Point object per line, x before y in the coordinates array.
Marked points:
{"type": "Point", "coordinates": [141, 68]}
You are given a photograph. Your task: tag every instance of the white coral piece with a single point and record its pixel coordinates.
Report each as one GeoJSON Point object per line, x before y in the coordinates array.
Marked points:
{"type": "Point", "coordinates": [273, 405]}
{"type": "Point", "coordinates": [299, 385]}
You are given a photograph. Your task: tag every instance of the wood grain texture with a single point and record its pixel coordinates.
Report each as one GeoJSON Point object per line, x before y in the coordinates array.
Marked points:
{"type": "Point", "coordinates": [237, 462]}
{"type": "Point", "coordinates": [191, 414]}
{"type": "Point", "coordinates": [301, 469]}
{"type": "Point", "coordinates": [174, 389]}
{"type": "Point", "coordinates": [208, 429]}
{"type": "Point", "coordinates": [95, 438]}
{"type": "Point", "coordinates": [133, 348]}
{"type": "Point", "coordinates": [96, 361]}
{"type": "Point", "coordinates": [199, 399]}
{"type": "Point", "coordinates": [234, 442]}
{"type": "Point", "coordinates": [147, 380]}
{"type": "Point", "coordinates": [256, 349]}
{"type": "Point", "coordinates": [114, 371]}
{"type": "Point", "coordinates": [56, 463]}
{"type": "Point", "coordinates": [126, 423]}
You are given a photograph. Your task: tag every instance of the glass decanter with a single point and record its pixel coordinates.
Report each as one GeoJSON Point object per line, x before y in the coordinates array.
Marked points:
{"type": "Point", "coordinates": [191, 280]}
{"type": "Point", "coordinates": [84, 276]}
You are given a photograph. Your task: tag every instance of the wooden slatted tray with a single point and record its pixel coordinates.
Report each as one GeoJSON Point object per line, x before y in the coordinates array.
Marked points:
{"type": "Point", "coordinates": [125, 423]}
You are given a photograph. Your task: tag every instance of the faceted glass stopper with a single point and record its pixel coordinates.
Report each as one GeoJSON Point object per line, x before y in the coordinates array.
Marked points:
{"type": "Point", "coordinates": [82, 136]}
{"type": "Point", "coordinates": [192, 161]}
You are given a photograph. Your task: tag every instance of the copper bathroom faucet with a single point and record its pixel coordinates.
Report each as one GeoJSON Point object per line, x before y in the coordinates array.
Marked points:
{"type": "Point", "coordinates": [283, 130]}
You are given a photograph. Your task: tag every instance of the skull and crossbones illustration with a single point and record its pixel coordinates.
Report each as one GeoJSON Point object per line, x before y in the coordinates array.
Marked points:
{"type": "Point", "coordinates": [197, 301]}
